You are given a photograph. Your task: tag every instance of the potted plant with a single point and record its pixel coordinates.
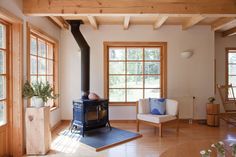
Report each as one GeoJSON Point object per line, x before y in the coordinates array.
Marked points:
{"type": "Point", "coordinates": [205, 153]}
{"type": "Point", "coordinates": [219, 146]}
{"type": "Point", "coordinates": [233, 146]}
{"type": "Point", "coordinates": [211, 100]}
{"type": "Point", "coordinates": [39, 93]}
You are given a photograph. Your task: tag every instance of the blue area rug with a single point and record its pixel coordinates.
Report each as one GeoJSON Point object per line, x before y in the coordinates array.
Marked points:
{"type": "Point", "coordinates": [102, 138]}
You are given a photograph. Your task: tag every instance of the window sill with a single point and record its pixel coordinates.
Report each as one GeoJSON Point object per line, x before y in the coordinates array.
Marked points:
{"type": "Point", "coordinates": [53, 108]}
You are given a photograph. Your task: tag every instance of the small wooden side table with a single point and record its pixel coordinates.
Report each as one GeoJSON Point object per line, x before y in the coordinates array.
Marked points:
{"type": "Point", "coordinates": [213, 114]}
{"type": "Point", "coordinates": [38, 134]}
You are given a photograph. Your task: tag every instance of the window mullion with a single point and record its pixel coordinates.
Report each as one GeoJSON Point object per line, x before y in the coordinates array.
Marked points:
{"type": "Point", "coordinates": [37, 49]}
{"type": "Point", "coordinates": [126, 91]}
{"type": "Point", "coordinates": [143, 73]}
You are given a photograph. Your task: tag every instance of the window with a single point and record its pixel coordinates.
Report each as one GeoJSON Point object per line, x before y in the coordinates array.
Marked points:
{"type": "Point", "coordinates": [231, 69]}
{"type": "Point", "coordinates": [42, 61]}
{"type": "Point", "coordinates": [3, 73]}
{"type": "Point", "coordinates": [134, 71]}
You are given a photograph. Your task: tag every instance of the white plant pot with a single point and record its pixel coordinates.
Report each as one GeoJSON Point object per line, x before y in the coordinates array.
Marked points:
{"type": "Point", "coordinates": [37, 102]}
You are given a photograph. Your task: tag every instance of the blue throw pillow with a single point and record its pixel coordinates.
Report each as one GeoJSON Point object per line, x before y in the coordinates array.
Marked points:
{"type": "Point", "coordinates": [157, 106]}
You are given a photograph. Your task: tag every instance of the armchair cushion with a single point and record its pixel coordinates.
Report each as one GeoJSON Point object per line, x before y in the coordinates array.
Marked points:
{"type": "Point", "coordinates": [157, 106]}
{"type": "Point", "coordinates": [155, 118]}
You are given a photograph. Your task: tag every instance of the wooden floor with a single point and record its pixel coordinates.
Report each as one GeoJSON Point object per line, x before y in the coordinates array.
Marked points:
{"type": "Point", "coordinates": [150, 145]}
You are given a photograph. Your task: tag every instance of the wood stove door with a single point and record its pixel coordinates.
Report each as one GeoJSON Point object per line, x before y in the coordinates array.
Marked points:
{"type": "Point", "coordinates": [78, 114]}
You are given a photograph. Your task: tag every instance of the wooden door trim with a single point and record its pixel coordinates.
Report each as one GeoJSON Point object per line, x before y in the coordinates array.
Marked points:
{"type": "Point", "coordinates": [16, 107]}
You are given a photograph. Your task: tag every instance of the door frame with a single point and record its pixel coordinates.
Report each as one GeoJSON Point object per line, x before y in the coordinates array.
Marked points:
{"type": "Point", "coordinates": [15, 107]}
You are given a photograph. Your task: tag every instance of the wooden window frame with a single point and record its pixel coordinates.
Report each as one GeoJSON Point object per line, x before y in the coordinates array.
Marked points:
{"type": "Point", "coordinates": [163, 61]}
{"type": "Point", "coordinates": [15, 134]}
{"type": "Point", "coordinates": [39, 34]}
{"type": "Point", "coordinates": [227, 50]}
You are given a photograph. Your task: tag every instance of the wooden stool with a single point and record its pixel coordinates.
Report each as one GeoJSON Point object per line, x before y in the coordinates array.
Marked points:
{"type": "Point", "coordinates": [213, 114]}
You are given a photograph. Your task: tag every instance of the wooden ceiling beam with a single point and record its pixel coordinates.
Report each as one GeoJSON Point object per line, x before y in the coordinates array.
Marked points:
{"type": "Point", "coordinates": [160, 21]}
{"type": "Point", "coordinates": [75, 7]}
{"type": "Point", "coordinates": [221, 22]}
{"type": "Point", "coordinates": [60, 22]}
{"type": "Point", "coordinates": [192, 21]}
{"type": "Point", "coordinates": [229, 32]}
{"type": "Point", "coordinates": [93, 21]}
{"type": "Point", "coordinates": [126, 22]}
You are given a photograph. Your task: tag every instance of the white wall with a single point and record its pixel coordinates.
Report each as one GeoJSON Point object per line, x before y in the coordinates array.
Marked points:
{"type": "Point", "coordinates": [15, 7]}
{"type": "Point", "coordinates": [186, 77]}
{"type": "Point", "coordinates": [220, 44]}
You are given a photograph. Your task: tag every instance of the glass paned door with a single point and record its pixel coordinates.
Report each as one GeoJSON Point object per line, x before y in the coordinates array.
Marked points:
{"type": "Point", "coordinates": [3, 75]}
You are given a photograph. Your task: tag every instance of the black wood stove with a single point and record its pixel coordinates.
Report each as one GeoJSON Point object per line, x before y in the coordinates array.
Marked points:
{"type": "Point", "coordinates": [90, 114]}
{"type": "Point", "coordinates": [87, 114]}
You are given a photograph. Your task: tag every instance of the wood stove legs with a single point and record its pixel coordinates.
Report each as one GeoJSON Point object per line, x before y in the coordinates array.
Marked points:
{"type": "Point", "coordinates": [109, 125]}
{"type": "Point", "coordinates": [75, 127]}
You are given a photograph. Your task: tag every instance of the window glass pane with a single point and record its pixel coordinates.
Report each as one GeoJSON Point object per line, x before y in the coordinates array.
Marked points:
{"type": "Point", "coordinates": [230, 92]}
{"type": "Point", "coordinates": [152, 93]}
{"type": "Point", "coordinates": [116, 53]}
{"type": "Point", "coordinates": [33, 79]}
{"type": "Point", "coordinates": [152, 67]}
{"type": "Point", "coordinates": [41, 48]}
{"type": "Point", "coordinates": [50, 67]}
{"type": "Point", "coordinates": [152, 82]}
{"type": "Point", "coordinates": [232, 69]}
{"type": "Point", "coordinates": [116, 81]}
{"type": "Point", "coordinates": [33, 65]}
{"type": "Point", "coordinates": [232, 57]}
{"type": "Point", "coordinates": [50, 51]}
{"type": "Point", "coordinates": [232, 80]}
{"type": "Point", "coordinates": [117, 95]}
{"type": "Point", "coordinates": [134, 53]}
{"type": "Point", "coordinates": [134, 94]}
{"type": "Point", "coordinates": [117, 67]}
{"type": "Point", "coordinates": [2, 36]}
{"type": "Point", "coordinates": [2, 87]}
{"type": "Point", "coordinates": [42, 79]}
{"type": "Point", "coordinates": [2, 62]}
{"type": "Point", "coordinates": [3, 113]}
{"type": "Point", "coordinates": [134, 81]}
{"type": "Point", "coordinates": [33, 45]}
{"type": "Point", "coordinates": [152, 53]}
{"type": "Point", "coordinates": [50, 80]}
{"type": "Point", "coordinates": [134, 67]}
{"type": "Point", "coordinates": [41, 66]}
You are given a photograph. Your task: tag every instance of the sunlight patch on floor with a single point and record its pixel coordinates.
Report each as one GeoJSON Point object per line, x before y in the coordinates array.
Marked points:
{"type": "Point", "coordinates": [65, 144]}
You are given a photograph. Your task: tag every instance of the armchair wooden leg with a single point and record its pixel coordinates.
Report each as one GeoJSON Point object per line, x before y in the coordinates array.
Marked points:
{"type": "Point", "coordinates": [177, 128]}
{"type": "Point", "coordinates": [160, 130]}
{"type": "Point", "coordinates": [137, 121]}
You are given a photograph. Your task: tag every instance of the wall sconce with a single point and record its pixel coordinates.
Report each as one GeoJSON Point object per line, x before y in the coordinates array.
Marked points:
{"type": "Point", "coordinates": [186, 54]}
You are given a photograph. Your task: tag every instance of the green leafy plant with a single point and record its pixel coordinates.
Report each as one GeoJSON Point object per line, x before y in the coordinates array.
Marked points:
{"type": "Point", "coordinates": [211, 99]}
{"type": "Point", "coordinates": [219, 146]}
{"type": "Point", "coordinates": [39, 89]}
{"type": "Point", "coordinates": [205, 153]}
{"type": "Point", "coordinates": [233, 145]}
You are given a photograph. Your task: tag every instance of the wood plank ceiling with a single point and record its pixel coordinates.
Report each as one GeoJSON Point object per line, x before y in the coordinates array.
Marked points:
{"type": "Point", "coordinates": [219, 14]}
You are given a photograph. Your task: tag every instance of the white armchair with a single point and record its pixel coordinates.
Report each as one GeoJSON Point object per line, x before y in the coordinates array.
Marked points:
{"type": "Point", "coordinates": [144, 115]}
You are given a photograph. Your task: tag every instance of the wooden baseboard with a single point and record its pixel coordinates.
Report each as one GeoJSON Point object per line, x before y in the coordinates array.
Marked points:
{"type": "Point", "coordinates": [123, 121]}
{"type": "Point", "coordinates": [134, 120]}
{"type": "Point", "coordinates": [56, 125]}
